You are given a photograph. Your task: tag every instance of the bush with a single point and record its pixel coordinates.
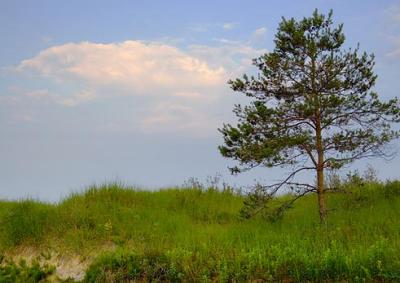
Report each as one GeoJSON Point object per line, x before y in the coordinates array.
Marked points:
{"type": "Point", "coordinates": [23, 273]}
{"type": "Point", "coordinates": [392, 189]}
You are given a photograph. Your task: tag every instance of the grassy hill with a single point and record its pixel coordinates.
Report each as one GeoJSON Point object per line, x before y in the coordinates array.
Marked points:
{"type": "Point", "coordinates": [113, 233]}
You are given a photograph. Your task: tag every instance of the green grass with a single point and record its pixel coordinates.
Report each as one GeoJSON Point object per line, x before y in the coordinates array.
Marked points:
{"type": "Point", "coordinates": [194, 235]}
{"type": "Point", "coordinates": [23, 273]}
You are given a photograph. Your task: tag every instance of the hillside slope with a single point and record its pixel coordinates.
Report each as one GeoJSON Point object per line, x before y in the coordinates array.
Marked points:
{"type": "Point", "coordinates": [116, 233]}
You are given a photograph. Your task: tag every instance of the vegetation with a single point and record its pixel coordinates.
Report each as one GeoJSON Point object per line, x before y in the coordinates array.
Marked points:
{"type": "Point", "coordinates": [193, 235]}
{"type": "Point", "coordinates": [23, 273]}
{"type": "Point", "coordinates": [312, 110]}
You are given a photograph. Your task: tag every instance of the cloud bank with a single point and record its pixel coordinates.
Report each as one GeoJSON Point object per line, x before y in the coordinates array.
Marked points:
{"type": "Point", "coordinates": [138, 65]}
{"type": "Point", "coordinates": [180, 84]}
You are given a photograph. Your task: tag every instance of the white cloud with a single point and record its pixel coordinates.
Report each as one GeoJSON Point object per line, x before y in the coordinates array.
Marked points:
{"type": "Point", "coordinates": [77, 98]}
{"type": "Point", "coordinates": [136, 64]}
{"type": "Point", "coordinates": [229, 26]}
{"type": "Point", "coordinates": [205, 27]}
{"type": "Point", "coordinates": [72, 99]}
{"type": "Point", "coordinates": [259, 34]}
{"type": "Point", "coordinates": [46, 39]}
{"type": "Point", "coordinates": [172, 118]}
{"type": "Point", "coordinates": [396, 17]}
{"type": "Point", "coordinates": [26, 118]}
{"type": "Point", "coordinates": [393, 13]}
{"type": "Point", "coordinates": [395, 40]}
{"type": "Point", "coordinates": [392, 20]}
{"type": "Point", "coordinates": [200, 27]}
{"type": "Point", "coordinates": [394, 54]}
{"type": "Point", "coordinates": [175, 88]}
{"type": "Point", "coordinates": [38, 94]}
{"type": "Point", "coordinates": [235, 56]}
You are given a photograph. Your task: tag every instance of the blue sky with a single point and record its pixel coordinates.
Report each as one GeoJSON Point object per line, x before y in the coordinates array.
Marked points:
{"type": "Point", "coordinates": [92, 91]}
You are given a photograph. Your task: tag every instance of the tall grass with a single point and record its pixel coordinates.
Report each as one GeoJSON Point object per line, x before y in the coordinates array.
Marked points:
{"type": "Point", "coordinates": [196, 235]}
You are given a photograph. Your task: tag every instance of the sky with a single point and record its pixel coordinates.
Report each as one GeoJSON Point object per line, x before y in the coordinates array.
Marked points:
{"type": "Point", "coordinates": [134, 91]}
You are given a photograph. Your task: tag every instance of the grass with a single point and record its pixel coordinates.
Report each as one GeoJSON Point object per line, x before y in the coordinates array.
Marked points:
{"type": "Point", "coordinates": [194, 235]}
{"type": "Point", "coordinates": [23, 273]}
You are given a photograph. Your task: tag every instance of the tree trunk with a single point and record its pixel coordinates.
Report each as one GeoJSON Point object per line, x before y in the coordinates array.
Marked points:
{"type": "Point", "coordinates": [319, 147]}
{"type": "Point", "coordinates": [320, 172]}
{"type": "Point", "coordinates": [321, 195]}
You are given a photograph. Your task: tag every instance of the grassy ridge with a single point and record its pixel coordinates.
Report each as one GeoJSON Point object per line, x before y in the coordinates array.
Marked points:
{"type": "Point", "coordinates": [196, 235]}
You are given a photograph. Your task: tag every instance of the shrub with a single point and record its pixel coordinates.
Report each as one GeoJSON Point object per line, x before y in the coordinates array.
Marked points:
{"type": "Point", "coordinates": [24, 273]}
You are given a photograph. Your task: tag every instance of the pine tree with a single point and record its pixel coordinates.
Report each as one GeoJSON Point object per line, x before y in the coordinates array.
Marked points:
{"type": "Point", "coordinates": [313, 108]}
